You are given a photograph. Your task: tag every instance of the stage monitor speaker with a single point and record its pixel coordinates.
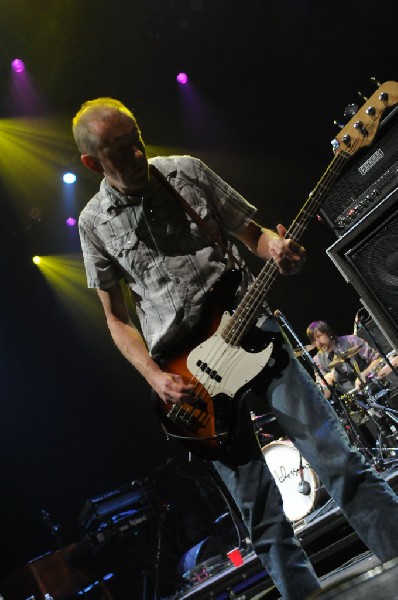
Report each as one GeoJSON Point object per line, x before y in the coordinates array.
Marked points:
{"type": "Point", "coordinates": [367, 257]}
{"type": "Point", "coordinates": [367, 177]}
{"type": "Point", "coordinates": [379, 583]}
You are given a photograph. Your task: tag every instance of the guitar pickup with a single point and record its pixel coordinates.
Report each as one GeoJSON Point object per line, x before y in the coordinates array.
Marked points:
{"type": "Point", "coordinates": [210, 372]}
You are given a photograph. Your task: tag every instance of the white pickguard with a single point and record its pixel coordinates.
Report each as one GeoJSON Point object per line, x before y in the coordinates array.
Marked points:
{"type": "Point", "coordinates": [233, 366]}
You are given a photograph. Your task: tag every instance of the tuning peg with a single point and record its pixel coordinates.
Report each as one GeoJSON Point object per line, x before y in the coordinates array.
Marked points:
{"type": "Point", "coordinates": [362, 95]}
{"type": "Point", "coordinates": [360, 127]}
{"type": "Point", "coordinates": [338, 123]}
{"type": "Point", "coordinates": [377, 83]}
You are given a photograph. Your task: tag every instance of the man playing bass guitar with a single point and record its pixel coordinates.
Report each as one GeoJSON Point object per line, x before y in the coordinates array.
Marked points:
{"type": "Point", "coordinates": [179, 267]}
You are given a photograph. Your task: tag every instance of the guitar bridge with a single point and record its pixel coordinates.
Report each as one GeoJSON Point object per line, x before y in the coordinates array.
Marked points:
{"type": "Point", "coordinates": [188, 417]}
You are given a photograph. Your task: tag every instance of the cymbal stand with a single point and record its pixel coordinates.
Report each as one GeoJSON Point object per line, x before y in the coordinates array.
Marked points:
{"type": "Point", "coordinates": [335, 400]}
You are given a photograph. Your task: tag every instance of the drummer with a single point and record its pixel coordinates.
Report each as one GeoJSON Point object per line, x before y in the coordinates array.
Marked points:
{"type": "Point", "coordinates": [344, 362]}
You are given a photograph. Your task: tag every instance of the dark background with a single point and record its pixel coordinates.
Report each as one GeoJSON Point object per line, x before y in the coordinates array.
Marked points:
{"type": "Point", "coordinates": [268, 78]}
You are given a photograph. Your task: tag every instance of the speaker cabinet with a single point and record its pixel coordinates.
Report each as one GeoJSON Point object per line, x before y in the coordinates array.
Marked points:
{"type": "Point", "coordinates": [367, 257]}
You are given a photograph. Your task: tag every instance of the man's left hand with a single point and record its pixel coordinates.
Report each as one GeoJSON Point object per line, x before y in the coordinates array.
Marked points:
{"type": "Point", "coordinates": [288, 254]}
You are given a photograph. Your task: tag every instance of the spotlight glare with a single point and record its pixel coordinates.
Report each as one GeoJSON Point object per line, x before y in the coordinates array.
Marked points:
{"type": "Point", "coordinates": [70, 221]}
{"type": "Point", "coordinates": [69, 178]}
{"type": "Point", "coordinates": [36, 260]}
{"type": "Point", "coordinates": [182, 78]}
{"type": "Point", "coordinates": [18, 65]}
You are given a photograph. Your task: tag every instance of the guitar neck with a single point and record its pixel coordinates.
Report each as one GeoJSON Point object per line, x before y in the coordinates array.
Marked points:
{"type": "Point", "coordinates": [246, 313]}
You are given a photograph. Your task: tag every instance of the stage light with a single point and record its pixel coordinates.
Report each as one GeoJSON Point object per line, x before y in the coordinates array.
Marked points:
{"type": "Point", "coordinates": [182, 78]}
{"type": "Point", "coordinates": [69, 178]}
{"type": "Point", "coordinates": [18, 65]}
{"type": "Point", "coordinates": [70, 221]}
{"type": "Point", "coordinates": [36, 260]}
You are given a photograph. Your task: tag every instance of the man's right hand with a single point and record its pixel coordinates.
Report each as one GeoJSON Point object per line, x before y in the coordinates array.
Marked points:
{"type": "Point", "coordinates": [171, 387]}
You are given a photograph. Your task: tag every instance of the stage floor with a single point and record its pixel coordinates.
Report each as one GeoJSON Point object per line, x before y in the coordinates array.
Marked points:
{"type": "Point", "coordinates": [335, 551]}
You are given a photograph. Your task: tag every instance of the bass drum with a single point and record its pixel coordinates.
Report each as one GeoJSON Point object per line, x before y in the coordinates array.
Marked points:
{"type": "Point", "coordinates": [301, 492]}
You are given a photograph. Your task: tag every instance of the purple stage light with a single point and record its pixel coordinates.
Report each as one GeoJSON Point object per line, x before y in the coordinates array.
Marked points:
{"type": "Point", "coordinates": [18, 65]}
{"type": "Point", "coordinates": [182, 78]}
{"type": "Point", "coordinates": [70, 221]}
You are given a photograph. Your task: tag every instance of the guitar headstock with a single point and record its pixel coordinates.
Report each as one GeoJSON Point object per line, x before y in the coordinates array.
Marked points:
{"type": "Point", "coordinates": [360, 131]}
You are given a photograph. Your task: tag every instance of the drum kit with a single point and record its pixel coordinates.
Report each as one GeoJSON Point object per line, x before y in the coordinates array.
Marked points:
{"type": "Point", "coordinates": [368, 417]}
{"type": "Point", "coordinates": [367, 413]}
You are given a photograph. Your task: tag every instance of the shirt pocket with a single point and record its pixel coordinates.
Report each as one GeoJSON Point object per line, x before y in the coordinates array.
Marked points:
{"type": "Point", "coordinates": [119, 247]}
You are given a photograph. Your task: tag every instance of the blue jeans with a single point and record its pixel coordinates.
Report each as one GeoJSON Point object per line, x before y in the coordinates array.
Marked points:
{"type": "Point", "coordinates": [366, 500]}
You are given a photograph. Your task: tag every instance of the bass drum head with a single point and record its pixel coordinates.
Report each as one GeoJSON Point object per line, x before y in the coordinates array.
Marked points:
{"type": "Point", "coordinates": [283, 460]}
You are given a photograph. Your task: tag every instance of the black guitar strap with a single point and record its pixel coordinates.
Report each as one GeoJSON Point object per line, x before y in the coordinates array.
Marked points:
{"type": "Point", "coordinates": [198, 220]}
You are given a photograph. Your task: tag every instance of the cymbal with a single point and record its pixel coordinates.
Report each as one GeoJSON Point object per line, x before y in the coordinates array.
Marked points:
{"type": "Point", "coordinates": [344, 355]}
{"type": "Point", "coordinates": [300, 351]}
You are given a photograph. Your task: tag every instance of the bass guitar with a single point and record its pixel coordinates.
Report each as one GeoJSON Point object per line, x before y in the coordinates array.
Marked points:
{"type": "Point", "coordinates": [221, 358]}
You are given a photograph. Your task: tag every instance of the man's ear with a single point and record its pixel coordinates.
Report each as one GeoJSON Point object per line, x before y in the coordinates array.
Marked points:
{"type": "Point", "coordinates": [92, 163]}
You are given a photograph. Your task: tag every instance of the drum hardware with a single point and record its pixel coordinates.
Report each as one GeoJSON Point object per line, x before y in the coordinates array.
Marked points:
{"type": "Point", "coordinates": [362, 424]}
{"type": "Point", "coordinates": [261, 420]}
{"type": "Point", "coordinates": [355, 404]}
{"type": "Point", "coordinates": [385, 421]}
{"type": "Point", "coordinates": [303, 486]}
{"type": "Point", "coordinates": [350, 419]}
{"type": "Point", "coordinates": [301, 349]}
{"type": "Point", "coordinates": [344, 356]}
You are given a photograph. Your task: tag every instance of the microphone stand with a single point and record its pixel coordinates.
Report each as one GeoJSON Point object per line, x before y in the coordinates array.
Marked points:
{"type": "Point", "coordinates": [304, 486]}
{"type": "Point", "coordinates": [335, 399]}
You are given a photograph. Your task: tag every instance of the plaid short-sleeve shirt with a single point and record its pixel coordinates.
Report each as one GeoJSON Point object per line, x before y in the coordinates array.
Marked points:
{"type": "Point", "coordinates": [168, 262]}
